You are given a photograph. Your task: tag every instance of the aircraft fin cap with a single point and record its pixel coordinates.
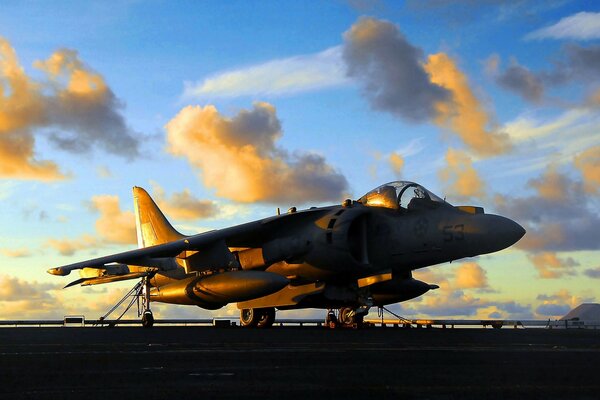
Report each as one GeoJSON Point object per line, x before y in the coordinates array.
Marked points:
{"type": "Point", "coordinates": [151, 225]}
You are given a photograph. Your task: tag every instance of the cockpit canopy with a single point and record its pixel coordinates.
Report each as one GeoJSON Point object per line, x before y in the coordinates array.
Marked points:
{"type": "Point", "coordinates": [402, 195]}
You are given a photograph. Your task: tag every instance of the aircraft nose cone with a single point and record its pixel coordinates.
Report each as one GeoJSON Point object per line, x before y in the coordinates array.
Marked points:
{"type": "Point", "coordinates": [495, 233]}
{"type": "Point", "coordinates": [508, 231]}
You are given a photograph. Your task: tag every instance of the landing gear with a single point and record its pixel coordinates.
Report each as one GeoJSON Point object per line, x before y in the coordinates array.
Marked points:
{"type": "Point", "coordinates": [257, 317]}
{"type": "Point", "coordinates": [140, 295]}
{"type": "Point", "coordinates": [147, 317]}
{"type": "Point", "coordinates": [347, 317]}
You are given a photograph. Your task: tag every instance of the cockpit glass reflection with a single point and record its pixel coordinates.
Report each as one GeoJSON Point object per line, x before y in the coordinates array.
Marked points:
{"type": "Point", "coordinates": [401, 195]}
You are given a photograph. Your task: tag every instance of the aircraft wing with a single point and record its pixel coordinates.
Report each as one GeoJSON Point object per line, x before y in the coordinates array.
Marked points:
{"type": "Point", "coordinates": [213, 244]}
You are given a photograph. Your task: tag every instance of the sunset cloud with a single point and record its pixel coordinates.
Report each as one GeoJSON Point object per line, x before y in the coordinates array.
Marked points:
{"type": "Point", "coordinates": [462, 113]}
{"type": "Point", "coordinates": [588, 162]}
{"type": "Point", "coordinates": [183, 205]}
{"type": "Point", "coordinates": [239, 157]}
{"type": "Point", "coordinates": [558, 304]}
{"type": "Point", "coordinates": [73, 103]}
{"type": "Point", "coordinates": [550, 266]}
{"type": "Point", "coordinates": [68, 247]}
{"type": "Point", "coordinates": [390, 71]}
{"type": "Point", "coordinates": [397, 163]}
{"type": "Point", "coordinates": [16, 253]}
{"type": "Point", "coordinates": [396, 77]}
{"type": "Point", "coordinates": [471, 276]}
{"type": "Point", "coordinates": [460, 178]}
{"type": "Point", "coordinates": [114, 225]}
{"type": "Point", "coordinates": [21, 107]}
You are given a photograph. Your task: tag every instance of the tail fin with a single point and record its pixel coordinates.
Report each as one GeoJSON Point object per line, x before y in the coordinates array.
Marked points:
{"type": "Point", "coordinates": [151, 225]}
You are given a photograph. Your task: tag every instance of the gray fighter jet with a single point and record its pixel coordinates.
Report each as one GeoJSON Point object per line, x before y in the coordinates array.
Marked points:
{"type": "Point", "coordinates": [343, 258]}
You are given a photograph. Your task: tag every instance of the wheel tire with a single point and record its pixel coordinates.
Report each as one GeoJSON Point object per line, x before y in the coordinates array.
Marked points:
{"type": "Point", "coordinates": [249, 317]}
{"type": "Point", "coordinates": [266, 317]}
{"type": "Point", "coordinates": [345, 317]}
{"type": "Point", "coordinates": [147, 319]}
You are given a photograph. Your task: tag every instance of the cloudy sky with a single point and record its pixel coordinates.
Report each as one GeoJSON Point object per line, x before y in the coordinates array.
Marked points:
{"type": "Point", "coordinates": [225, 111]}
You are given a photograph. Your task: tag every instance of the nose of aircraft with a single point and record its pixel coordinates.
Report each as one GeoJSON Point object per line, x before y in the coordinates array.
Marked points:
{"type": "Point", "coordinates": [493, 233]}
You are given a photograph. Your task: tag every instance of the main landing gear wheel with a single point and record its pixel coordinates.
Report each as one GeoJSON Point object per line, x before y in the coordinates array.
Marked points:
{"type": "Point", "coordinates": [347, 317]}
{"type": "Point", "coordinates": [147, 319]}
{"type": "Point", "coordinates": [257, 317]}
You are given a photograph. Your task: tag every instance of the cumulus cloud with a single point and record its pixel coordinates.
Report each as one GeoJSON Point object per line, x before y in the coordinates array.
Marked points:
{"type": "Point", "coordinates": [73, 103]}
{"type": "Point", "coordinates": [463, 114]}
{"type": "Point", "coordinates": [390, 70]}
{"type": "Point", "coordinates": [184, 205]}
{"type": "Point", "coordinates": [114, 225]}
{"type": "Point", "coordinates": [460, 178]}
{"type": "Point", "coordinates": [277, 77]}
{"type": "Point", "coordinates": [13, 289]}
{"type": "Point", "coordinates": [581, 26]}
{"type": "Point", "coordinates": [558, 304]}
{"type": "Point", "coordinates": [574, 63]}
{"type": "Point", "coordinates": [20, 107]}
{"type": "Point", "coordinates": [396, 77]}
{"type": "Point", "coordinates": [471, 276]}
{"type": "Point", "coordinates": [239, 157]}
{"type": "Point", "coordinates": [588, 162]}
{"type": "Point", "coordinates": [550, 266]}
{"type": "Point", "coordinates": [554, 221]}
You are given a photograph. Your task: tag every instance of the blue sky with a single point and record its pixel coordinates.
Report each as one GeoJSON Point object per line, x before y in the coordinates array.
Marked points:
{"type": "Point", "coordinates": [493, 103]}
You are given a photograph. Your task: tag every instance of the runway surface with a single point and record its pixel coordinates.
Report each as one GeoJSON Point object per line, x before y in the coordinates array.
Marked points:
{"type": "Point", "coordinates": [294, 362]}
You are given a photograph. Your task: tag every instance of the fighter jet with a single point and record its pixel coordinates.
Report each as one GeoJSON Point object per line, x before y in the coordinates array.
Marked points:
{"type": "Point", "coordinates": [343, 258]}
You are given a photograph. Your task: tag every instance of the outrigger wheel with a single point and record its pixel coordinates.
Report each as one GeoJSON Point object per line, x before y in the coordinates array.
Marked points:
{"type": "Point", "coordinates": [147, 319]}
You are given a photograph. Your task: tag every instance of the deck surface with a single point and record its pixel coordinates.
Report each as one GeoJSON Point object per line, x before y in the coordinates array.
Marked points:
{"type": "Point", "coordinates": [295, 362]}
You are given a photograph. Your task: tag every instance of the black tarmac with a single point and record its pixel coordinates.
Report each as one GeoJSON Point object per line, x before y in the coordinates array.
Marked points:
{"type": "Point", "coordinates": [298, 362]}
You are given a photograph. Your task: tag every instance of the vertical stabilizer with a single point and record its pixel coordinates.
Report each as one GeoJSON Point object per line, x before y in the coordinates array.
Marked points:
{"type": "Point", "coordinates": [151, 225]}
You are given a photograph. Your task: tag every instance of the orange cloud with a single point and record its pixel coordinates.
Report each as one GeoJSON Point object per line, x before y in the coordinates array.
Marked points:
{"type": "Point", "coordinates": [239, 158]}
{"type": "Point", "coordinates": [463, 114]}
{"type": "Point", "coordinates": [21, 106]}
{"type": "Point", "coordinates": [550, 266]}
{"type": "Point", "coordinates": [397, 163]}
{"type": "Point", "coordinates": [114, 225]}
{"type": "Point", "coordinates": [16, 253]}
{"type": "Point", "coordinates": [459, 176]}
{"type": "Point", "coordinates": [184, 205]}
{"type": "Point", "coordinates": [552, 185]}
{"type": "Point", "coordinates": [471, 276]}
{"type": "Point", "coordinates": [72, 98]}
{"type": "Point", "coordinates": [68, 247]}
{"type": "Point", "coordinates": [545, 236]}
{"type": "Point", "coordinates": [588, 162]}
